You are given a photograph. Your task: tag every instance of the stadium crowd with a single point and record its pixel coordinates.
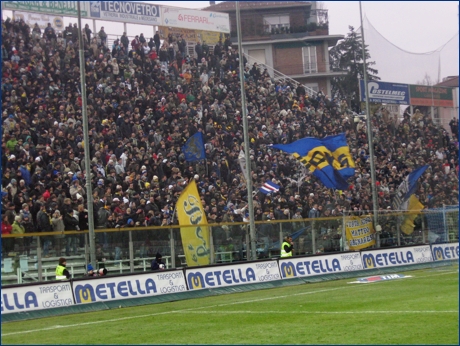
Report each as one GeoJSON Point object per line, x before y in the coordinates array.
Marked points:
{"type": "Point", "coordinates": [145, 99]}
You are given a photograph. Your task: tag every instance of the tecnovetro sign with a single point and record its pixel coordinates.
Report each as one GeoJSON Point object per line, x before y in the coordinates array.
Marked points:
{"type": "Point", "coordinates": [126, 11]}
{"type": "Point", "coordinates": [396, 257]}
{"type": "Point", "coordinates": [232, 275]}
{"type": "Point", "coordinates": [320, 265]}
{"type": "Point", "coordinates": [28, 298]}
{"type": "Point", "coordinates": [445, 252]}
{"type": "Point", "coordinates": [115, 288]}
{"type": "Point", "coordinates": [195, 19]}
{"type": "Point", "coordinates": [384, 92]}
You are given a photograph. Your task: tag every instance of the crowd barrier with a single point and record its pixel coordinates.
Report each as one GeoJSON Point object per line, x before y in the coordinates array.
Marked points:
{"type": "Point", "coordinates": [32, 257]}
{"type": "Point", "coordinates": [78, 292]}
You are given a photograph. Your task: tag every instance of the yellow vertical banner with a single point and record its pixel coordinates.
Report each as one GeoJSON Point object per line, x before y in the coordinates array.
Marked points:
{"type": "Point", "coordinates": [359, 232]}
{"type": "Point", "coordinates": [195, 239]}
{"type": "Point", "coordinates": [407, 225]}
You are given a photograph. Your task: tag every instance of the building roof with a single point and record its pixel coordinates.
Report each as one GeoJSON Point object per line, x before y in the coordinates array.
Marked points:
{"type": "Point", "coordinates": [451, 81]}
{"type": "Point", "coordinates": [229, 6]}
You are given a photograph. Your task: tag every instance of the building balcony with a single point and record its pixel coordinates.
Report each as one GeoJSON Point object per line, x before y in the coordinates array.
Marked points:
{"type": "Point", "coordinates": [264, 33]}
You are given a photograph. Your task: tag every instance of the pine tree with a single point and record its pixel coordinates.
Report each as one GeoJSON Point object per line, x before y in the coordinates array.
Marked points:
{"type": "Point", "coordinates": [347, 55]}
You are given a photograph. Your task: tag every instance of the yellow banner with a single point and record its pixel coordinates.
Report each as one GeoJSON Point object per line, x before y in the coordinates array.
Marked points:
{"type": "Point", "coordinates": [195, 240]}
{"type": "Point", "coordinates": [194, 36]}
{"type": "Point", "coordinates": [359, 232]}
{"type": "Point", "coordinates": [407, 225]}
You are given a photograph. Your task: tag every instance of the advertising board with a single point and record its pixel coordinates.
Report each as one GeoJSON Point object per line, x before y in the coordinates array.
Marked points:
{"type": "Point", "coordinates": [38, 297]}
{"type": "Point", "coordinates": [232, 275]}
{"type": "Point", "coordinates": [396, 257]}
{"type": "Point", "coordinates": [425, 95]}
{"type": "Point", "coordinates": [320, 265]}
{"type": "Point", "coordinates": [445, 252]}
{"type": "Point", "coordinates": [64, 8]}
{"type": "Point", "coordinates": [125, 11]}
{"type": "Point", "coordinates": [57, 22]}
{"type": "Point", "coordinates": [384, 92]}
{"type": "Point", "coordinates": [136, 286]}
{"type": "Point", "coordinates": [195, 19]}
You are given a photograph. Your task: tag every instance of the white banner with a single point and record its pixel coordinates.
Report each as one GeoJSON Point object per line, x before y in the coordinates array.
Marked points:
{"type": "Point", "coordinates": [232, 275]}
{"type": "Point", "coordinates": [320, 265]}
{"type": "Point", "coordinates": [126, 11]}
{"type": "Point", "coordinates": [46, 296]}
{"type": "Point", "coordinates": [445, 252]}
{"type": "Point", "coordinates": [195, 19]}
{"type": "Point", "coordinates": [396, 257]}
{"type": "Point", "coordinates": [57, 22]}
{"type": "Point", "coordinates": [115, 288]}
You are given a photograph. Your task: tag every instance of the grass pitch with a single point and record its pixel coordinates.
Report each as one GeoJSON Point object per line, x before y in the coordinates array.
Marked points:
{"type": "Point", "coordinates": [422, 309]}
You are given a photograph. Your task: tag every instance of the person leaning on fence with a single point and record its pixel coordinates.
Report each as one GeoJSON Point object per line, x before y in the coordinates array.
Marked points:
{"type": "Point", "coordinates": [157, 264]}
{"type": "Point", "coordinates": [287, 247]}
{"type": "Point", "coordinates": [61, 271]}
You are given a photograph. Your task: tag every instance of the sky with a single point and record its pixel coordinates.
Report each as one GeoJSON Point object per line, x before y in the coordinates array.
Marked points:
{"type": "Point", "coordinates": [414, 26]}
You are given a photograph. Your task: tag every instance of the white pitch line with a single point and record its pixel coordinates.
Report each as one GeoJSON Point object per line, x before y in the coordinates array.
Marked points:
{"type": "Point", "coordinates": [188, 310]}
{"type": "Point", "coordinates": [325, 312]}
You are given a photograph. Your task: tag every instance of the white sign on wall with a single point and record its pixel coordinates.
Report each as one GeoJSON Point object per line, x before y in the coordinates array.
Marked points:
{"type": "Point", "coordinates": [126, 11]}
{"type": "Point", "coordinates": [195, 19]}
{"type": "Point", "coordinates": [57, 22]}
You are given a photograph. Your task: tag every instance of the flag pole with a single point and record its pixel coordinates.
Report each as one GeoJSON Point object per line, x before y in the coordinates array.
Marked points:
{"type": "Point", "coordinates": [252, 225]}
{"type": "Point", "coordinates": [369, 132]}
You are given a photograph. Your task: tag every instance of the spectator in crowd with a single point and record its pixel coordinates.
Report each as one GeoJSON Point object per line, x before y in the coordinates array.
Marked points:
{"type": "Point", "coordinates": [102, 36]}
{"type": "Point", "coordinates": [58, 226]}
{"type": "Point", "coordinates": [8, 243]}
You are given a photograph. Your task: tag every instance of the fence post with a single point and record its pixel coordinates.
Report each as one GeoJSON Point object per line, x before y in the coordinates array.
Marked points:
{"type": "Point", "coordinates": [423, 227]}
{"type": "Point", "coordinates": [444, 221]}
{"type": "Point", "coordinates": [131, 253]}
{"type": "Point", "coordinates": [313, 237]}
{"type": "Point", "coordinates": [343, 239]}
{"type": "Point", "coordinates": [398, 231]}
{"type": "Point", "coordinates": [281, 236]}
{"type": "Point", "coordinates": [87, 251]}
{"type": "Point", "coordinates": [39, 260]}
{"type": "Point", "coordinates": [171, 244]}
{"type": "Point", "coordinates": [211, 246]}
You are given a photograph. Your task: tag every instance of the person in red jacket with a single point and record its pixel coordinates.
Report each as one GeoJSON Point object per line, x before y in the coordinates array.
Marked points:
{"type": "Point", "coordinates": [8, 243]}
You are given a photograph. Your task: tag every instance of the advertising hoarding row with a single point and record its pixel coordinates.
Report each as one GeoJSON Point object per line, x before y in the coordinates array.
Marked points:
{"type": "Point", "coordinates": [407, 94]}
{"type": "Point", "coordinates": [129, 12]}
{"type": "Point", "coordinates": [64, 294]}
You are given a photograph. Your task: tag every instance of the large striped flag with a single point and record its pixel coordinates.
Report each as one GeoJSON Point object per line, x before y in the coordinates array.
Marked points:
{"type": "Point", "coordinates": [329, 159]}
{"type": "Point", "coordinates": [269, 187]}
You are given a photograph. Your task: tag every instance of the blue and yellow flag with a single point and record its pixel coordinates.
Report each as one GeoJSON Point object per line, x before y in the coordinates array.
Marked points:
{"type": "Point", "coordinates": [343, 161]}
{"type": "Point", "coordinates": [195, 237]}
{"type": "Point", "coordinates": [194, 148]}
{"type": "Point", "coordinates": [329, 159]}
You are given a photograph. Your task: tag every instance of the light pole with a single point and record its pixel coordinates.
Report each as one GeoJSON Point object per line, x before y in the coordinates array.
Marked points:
{"type": "Point", "coordinates": [89, 190]}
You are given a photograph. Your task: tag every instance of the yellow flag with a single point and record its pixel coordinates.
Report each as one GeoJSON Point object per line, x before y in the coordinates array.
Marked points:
{"type": "Point", "coordinates": [195, 239]}
{"type": "Point", "coordinates": [359, 232]}
{"type": "Point", "coordinates": [407, 225]}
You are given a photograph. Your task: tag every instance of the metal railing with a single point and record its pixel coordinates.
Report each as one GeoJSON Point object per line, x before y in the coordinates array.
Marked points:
{"type": "Point", "coordinates": [123, 250]}
{"type": "Point", "coordinates": [279, 76]}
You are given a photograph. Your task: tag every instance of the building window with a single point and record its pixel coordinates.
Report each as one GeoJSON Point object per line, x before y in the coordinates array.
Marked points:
{"type": "Point", "coordinates": [309, 60]}
{"type": "Point", "coordinates": [276, 22]}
